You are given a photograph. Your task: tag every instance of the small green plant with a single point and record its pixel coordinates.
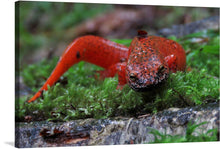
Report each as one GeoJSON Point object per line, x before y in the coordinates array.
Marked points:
{"type": "Point", "coordinates": [35, 75]}
{"type": "Point", "coordinates": [203, 54]}
{"type": "Point", "coordinates": [209, 135]}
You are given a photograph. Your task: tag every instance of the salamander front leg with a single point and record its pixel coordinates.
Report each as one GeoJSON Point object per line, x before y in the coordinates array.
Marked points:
{"type": "Point", "coordinates": [172, 62]}
{"type": "Point", "coordinates": [121, 75]}
{"type": "Point", "coordinates": [112, 71]}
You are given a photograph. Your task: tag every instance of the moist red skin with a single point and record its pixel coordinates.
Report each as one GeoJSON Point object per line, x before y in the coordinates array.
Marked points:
{"type": "Point", "coordinates": [144, 58]}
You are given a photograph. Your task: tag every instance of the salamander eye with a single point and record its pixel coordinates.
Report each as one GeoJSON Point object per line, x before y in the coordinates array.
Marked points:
{"type": "Point", "coordinates": [161, 69]}
{"type": "Point", "coordinates": [132, 76]}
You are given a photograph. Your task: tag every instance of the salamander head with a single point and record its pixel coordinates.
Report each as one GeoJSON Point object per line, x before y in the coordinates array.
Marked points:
{"type": "Point", "coordinates": [146, 68]}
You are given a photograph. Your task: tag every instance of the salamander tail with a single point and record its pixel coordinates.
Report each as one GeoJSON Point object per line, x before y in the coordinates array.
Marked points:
{"type": "Point", "coordinates": [38, 94]}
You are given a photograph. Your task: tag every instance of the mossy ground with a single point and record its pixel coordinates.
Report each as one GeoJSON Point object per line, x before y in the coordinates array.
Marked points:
{"type": "Point", "coordinates": [79, 95]}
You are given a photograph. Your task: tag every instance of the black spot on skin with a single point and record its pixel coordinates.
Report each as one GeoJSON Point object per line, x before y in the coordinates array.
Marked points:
{"type": "Point", "coordinates": [77, 55]}
{"type": "Point", "coordinates": [142, 34]}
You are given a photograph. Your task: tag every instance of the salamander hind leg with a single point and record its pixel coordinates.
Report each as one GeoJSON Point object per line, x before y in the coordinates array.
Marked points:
{"type": "Point", "coordinates": [121, 75]}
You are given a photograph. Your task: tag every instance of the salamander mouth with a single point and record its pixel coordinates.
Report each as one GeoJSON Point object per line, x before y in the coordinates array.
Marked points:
{"type": "Point", "coordinates": [148, 87]}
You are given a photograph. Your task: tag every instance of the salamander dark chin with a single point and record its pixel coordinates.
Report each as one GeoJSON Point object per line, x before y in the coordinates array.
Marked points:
{"type": "Point", "coordinates": [143, 86]}
{"type": "Point", "coordinates": [150, 87]}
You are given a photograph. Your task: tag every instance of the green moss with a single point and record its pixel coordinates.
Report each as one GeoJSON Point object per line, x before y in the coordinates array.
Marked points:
{"type": "Point", "coordinates": [209, 135]}
{"type": "Point", "coordinates": [80, 98]}
{"type": "Point", "coordinates": [188, 89]}
{"type": "Point", "coordinates": [79, 95]}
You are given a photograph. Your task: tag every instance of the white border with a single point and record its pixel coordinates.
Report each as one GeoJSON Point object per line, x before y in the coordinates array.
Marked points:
{"type": "Point", "coordinates": [192, 3]}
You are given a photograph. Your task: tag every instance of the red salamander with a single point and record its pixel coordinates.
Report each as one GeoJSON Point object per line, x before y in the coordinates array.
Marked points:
{"type": "Point", "coordinates": [145, 64]}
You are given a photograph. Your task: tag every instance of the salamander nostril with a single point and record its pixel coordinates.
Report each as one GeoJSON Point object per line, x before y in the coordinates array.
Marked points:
{"type": "Point", "coordinates": [141, 81]}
